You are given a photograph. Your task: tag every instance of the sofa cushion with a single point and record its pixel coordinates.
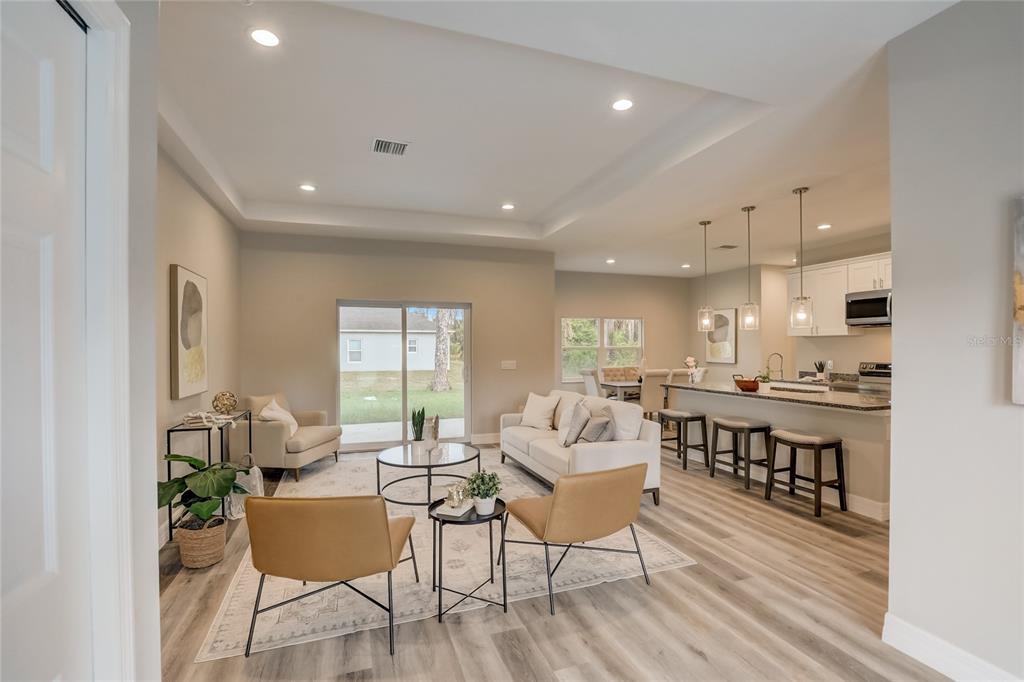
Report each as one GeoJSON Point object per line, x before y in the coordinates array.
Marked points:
{"type": "Point", "coordinates": [550, 454]}
{"type": "Point", "coordinates": [578, 419]}
{"type": "Point", "coordinates": [627, 417]}
{"type": "Point", "coordinates": [597, 430]}
{"type": "Point", "coordinates": [256, 403]}
{"type": "Point", "coordinates": [307, 437]}
{"type": "Point", "coordinates": [272, 412]}
{"type": "Point", "coordinates": [539, 411]}
{"type": "Point", "coordinates": [566, 401]}
{"type": "Point", "coordinates": [519, 437]}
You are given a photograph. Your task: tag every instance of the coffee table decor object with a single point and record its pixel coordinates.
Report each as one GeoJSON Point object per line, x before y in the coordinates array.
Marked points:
{"type": "Point", "coordinates": [431, 462]}
{"type": "Point", "coordinates": [457, 503]}
{"type": "Point", "coordinates": [470, 518]}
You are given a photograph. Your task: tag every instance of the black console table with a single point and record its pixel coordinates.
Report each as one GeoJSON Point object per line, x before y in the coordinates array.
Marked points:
{"type": "Point", "coordinates": [182, 427]}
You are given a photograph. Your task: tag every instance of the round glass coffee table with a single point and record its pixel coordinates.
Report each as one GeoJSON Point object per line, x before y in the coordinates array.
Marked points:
{"type": "Point", "coordinates": [439, 457]}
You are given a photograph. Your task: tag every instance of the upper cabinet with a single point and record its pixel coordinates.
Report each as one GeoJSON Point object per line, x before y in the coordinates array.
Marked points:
{"type": "Point", "coordinates": [827, 285]}
{"type": "Point", "coordinates": [874, 273]}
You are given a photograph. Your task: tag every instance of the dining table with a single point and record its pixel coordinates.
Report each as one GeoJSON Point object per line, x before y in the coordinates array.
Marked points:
{"type": "Point", "coordinates": [621, 388]}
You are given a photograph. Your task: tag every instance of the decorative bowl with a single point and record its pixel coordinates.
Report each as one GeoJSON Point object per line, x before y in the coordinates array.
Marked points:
{"type": "Point", "coordinates": [747, 385]}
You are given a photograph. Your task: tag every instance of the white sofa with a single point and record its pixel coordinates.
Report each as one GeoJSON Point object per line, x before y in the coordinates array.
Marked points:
{"type": "Point", "coordinates": [538, 450]}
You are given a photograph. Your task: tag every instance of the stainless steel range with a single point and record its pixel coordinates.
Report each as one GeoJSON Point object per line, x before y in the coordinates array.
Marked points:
{"type": "Point", "coordinates": [874, 378]}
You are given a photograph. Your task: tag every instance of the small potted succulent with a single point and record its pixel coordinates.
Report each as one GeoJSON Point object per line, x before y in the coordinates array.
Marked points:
{"type": "Point", "coordinates": [201, 536]}
{"type": "Point", "coordinates": [484, 487]}
{"type": "Point", "coordinates": [819, 367]}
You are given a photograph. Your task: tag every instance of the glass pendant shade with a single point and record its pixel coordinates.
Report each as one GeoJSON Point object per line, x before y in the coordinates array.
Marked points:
{"type": "Point", "coordinates": [801, 313]}
{"type": "Point", "coordinates": [750, 317]}
{"type": "Point", "coordinates": [705, 319]}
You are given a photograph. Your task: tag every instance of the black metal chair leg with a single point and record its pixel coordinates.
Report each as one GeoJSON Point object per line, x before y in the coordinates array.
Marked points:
{"type": "Point", "coordinates": [412, 551]}
{"type": "Point", "coordinates": [547, 567]}
{"type": "Point", "coordinates": [639, 553]}
{"type": "Point", "coordinates": [255, 611]}
{"type": "Point", "coordinates": [391, 617]}
{"type": "Point", "coordinates": [501, 552]}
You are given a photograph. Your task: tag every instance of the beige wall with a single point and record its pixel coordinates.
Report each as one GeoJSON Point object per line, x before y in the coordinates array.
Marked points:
{"type": "Point", "coordinates": [660, 301]}
{"type": "Point", "coordinates": [288, 321]}
{"type": "Point", "coordinates": [192, 233]}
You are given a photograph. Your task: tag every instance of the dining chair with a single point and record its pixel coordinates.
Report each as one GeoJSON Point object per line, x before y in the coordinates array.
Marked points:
{"type": "Point", "coordinates": [326, 539]}
{"type": "Point", "coordinates": [652, 394]}
{"type": "Point", "coordinates": [582, 508]}
{"type": "Point", "coordinates": [590, 383]}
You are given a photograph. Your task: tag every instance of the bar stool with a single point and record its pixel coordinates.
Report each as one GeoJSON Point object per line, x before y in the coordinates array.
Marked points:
{"type": "Point", "coordinates": [738, 426]}
{"type": "Point", "coordinates": [802, 440]}
{"type": "Point", "coordinates": [682, 419]}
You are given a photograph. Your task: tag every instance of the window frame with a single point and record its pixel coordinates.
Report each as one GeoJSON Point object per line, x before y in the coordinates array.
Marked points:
{"type": "Point", "coordinates": [602, 347]}
{"type": "Point", "coordinates": [412, 346]}
{"type": "Point", "coordinates": [349, 350]}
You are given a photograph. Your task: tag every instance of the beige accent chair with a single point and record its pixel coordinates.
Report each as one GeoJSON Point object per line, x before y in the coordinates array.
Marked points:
{"type": "Point", "coordinates": [582, 508]}
{"type": "Point", "coordinates": [652, 395]}
{"type": "Point", "coordinates": [326, 539]}
{"type": "Point", "coordinates": [273, 448]}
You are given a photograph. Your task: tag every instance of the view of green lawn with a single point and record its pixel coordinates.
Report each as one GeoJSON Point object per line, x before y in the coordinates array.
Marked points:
{"type": "Point", "coordinates": [368, 397]}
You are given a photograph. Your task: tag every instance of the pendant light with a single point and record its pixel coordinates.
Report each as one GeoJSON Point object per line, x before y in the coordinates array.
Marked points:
{"type": "Point", "coordinates": [750, 312]}
{"type": "Point", "coordinates": [705, 314]}
{"type": "Point", "coordinates": [801, 313]}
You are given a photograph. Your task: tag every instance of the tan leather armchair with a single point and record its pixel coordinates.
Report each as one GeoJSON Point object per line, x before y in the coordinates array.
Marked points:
{"type": "Point", "coordinates": [326, 539]}
{"type": "Point", "coordinates": [582, 507]}
{"type": "Point", "coordinates": [274, 447]}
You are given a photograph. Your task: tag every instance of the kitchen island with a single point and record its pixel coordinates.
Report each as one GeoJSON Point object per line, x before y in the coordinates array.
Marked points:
{"type": "Point", "coordinates": [861, 420]}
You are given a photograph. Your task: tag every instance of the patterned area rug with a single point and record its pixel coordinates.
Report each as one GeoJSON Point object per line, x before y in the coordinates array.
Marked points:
{"type": "Point", "coordinates": [340, 611]}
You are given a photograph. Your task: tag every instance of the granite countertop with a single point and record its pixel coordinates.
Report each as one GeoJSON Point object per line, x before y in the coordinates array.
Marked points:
{"type": "Point", "coordinates": [834, 399]}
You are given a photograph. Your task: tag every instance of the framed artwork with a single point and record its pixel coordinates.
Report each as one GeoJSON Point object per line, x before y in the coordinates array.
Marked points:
{"type": "Point", "coordinates": [720, 342]}
{"type": "Point", "coordinates": [1018, 301]}
{"type": "Point", "coordinates": [189, 330]}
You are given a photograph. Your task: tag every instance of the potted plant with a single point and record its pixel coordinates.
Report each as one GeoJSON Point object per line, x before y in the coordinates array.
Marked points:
{"type": "Point", "coordinates": [418, 419]}
{"type": "Point", "coordinates": [819, 367]}
{"type": "Point", "coordinates": [201, 535]}
{"type": "Point", "coordinates": [484, 486]}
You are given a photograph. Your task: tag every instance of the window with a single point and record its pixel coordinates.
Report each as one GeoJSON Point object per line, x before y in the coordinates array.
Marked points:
{"type": "Point", "coordinates": [354, 347]}
{"type": "Point", "coordinates": [587, 342]}
{"type": "Point", "coordinates": [413, 345]}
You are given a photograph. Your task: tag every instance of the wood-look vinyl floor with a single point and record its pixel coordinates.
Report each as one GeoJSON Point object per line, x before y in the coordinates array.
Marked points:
{"type": "Point", "coordinates": [776, 595]}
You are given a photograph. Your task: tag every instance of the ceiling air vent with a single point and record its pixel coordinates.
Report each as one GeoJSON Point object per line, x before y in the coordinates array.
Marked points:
{"type": "Point", "coordinates": [382, 146]}
{"type": "Point", "coordinates": [726, 247]}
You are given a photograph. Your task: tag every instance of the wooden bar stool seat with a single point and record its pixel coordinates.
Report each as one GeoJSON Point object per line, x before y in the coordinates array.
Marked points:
{"type": "Point", "coordinates": [816, 443]}
{"type": "Point", "coordinates": [682, 419]}
{"type": "Point", "coordinates": [738, 426]}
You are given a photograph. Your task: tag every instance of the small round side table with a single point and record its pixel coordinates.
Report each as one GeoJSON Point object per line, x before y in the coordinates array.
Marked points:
{"type": "Point", "coordinates": [470, 518]}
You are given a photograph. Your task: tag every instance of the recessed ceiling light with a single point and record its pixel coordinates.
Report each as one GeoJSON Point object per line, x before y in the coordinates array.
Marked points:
{"type": "Point", "coordinates": [610, 261]}
{"type": "Point", "coordinates": [824, 226]}
{"type": "Point", "coordinates": [306, 187]}
{"type": "Point", "coordinates": [685, 265]}
{"type": "Point", "coordinates": [507, 207]}
{"type": "Point", "coordinates": [265, 38]}
{"type": "Point", "coordinates": [622, 104]}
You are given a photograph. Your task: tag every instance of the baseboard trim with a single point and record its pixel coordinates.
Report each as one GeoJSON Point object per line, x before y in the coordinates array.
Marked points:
{"type": "Point", "coordinates": [484, 438]}
{"type": "Point", "coordinates": [873, 509]}
{"type": "Point", "coordinates": [937, 653]}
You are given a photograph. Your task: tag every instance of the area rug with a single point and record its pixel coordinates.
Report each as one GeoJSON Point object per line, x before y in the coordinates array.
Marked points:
{"type": "Point", "coordinates": [466, 564]}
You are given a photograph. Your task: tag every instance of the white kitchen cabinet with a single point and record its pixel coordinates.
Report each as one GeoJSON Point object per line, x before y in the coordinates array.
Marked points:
{"type": "Point", "coordinates": [827, 287]}
{"type": "Point", "coordinates": [885, 273]}
{"type": "Point", "coordinates": [868, 275]}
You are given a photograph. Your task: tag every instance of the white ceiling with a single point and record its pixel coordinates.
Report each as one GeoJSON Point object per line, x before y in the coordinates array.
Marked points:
{"type": "Point", "coordinates": [736, 103]}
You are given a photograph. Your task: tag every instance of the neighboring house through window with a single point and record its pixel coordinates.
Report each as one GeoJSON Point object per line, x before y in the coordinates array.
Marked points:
{"type": "Point", "coordinates": [590, 342]}
{"type": "Point", "coordinates": [413, 345]}
{"type": "Point", "coordinates": [355, 351]}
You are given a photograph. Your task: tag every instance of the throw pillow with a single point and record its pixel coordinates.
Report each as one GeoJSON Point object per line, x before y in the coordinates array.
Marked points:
{"type": "Point", "coordinates": [580, 417]}
{"type": "Point", "coordinates": [539, 411]}
{"type": "Point", "coordinates": [628, 418]}
{"type": "Point", "coordinates": [566, 401]}
{"type": "Point", "coordinates": [598, 429]}
{"type": "Point", "coordinates": [275, 413]}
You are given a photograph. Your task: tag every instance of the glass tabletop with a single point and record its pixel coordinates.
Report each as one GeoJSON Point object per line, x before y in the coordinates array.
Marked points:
{"type": "Point", "coordinates": [441, 455]}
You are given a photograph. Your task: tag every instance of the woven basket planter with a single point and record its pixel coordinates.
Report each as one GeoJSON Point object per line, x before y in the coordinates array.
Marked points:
{"type": "Point", "coordinates": [202, 547]}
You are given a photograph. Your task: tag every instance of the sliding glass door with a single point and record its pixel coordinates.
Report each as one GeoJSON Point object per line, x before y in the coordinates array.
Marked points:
{"type": "Point", "coordinates": [398, 357]}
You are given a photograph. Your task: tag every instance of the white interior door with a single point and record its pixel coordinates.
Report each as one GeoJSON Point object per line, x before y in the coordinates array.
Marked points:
{"type": "Point", "coordinates": [45, 598]}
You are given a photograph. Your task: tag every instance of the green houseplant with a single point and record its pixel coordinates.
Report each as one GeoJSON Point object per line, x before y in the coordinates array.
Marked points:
{"type": "Point", "coordinates": [484, 486]}
{"type": "Point", "coordinates": [418, 418]}
{"type": "Point", "coordinates": [201, 536]}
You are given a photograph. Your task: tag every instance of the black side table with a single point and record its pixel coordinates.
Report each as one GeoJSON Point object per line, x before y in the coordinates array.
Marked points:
{"type": "Point", "coordinates": [185, 428]}
{"type": "Point", "coordinates": [470, 518]}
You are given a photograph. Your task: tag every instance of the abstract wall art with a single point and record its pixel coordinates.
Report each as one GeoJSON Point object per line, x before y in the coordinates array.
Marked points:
{"type": "Point", "coordinates": [189, 332]}
{"type": "Point", "coordinates": [720, 342]}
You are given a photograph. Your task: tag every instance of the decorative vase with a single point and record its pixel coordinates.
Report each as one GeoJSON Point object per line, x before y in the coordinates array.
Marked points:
{"type": "Point", "coordinates": [419, 447]}
{"type": "Point", "coordinates": [484, 505]}
{"type": "Point", "coordinates": [820, 376]}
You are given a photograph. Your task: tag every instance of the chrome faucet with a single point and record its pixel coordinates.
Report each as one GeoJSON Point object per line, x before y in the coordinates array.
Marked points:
{"type": "Point", "coordinates": [782, 366]}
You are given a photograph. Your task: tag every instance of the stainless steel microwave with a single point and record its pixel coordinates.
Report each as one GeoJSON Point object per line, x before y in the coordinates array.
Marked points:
{"type": "Point", "coordinates": [869, 308]}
